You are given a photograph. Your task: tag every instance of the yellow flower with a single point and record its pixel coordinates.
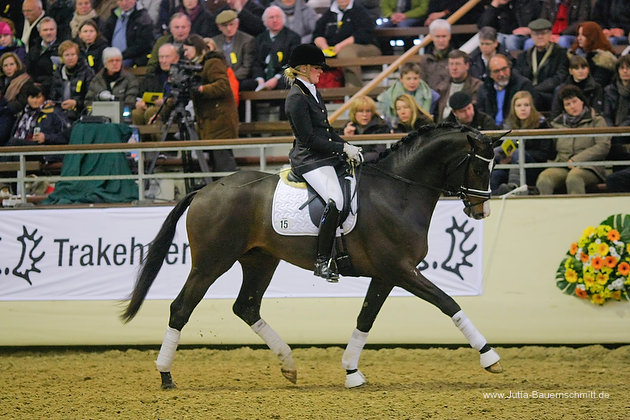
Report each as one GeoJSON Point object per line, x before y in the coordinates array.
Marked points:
{"type": "Point", "coordinates": [602, 249]}
{"type": "Point", "coordinates": [606, 270]}
{"type": "Point", "coordinates": [588, 232]}
{"type": "Point", "coordinates": [589, 280]}
{"type": "Point", "coordinates": [598, 299]}
{"type": "Point", "coordinates": [601, 278]}
{"type": "Point", "coordinates": [570, 275]}
{"type": "Point", "coordinates": [593, 248]}
{"type": "Point", "coordinates": [597, 288]}
{"type": "Point", "coordinates": [587, 269]}
{"type": "Point", "coordinates": [616, 295]}
{"type": "Point", "coordinates": [568, 263]}
{"type": "Point", "coordinates": [602, 230]}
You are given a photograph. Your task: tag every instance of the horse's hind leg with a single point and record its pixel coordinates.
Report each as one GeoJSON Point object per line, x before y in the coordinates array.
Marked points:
{"type": "Point", "coordinates": [372, 304]}
{"type": "Point", "coordinates": [196, 286]}
{"type": "Point", "coordinates": [258, 268]}
{"type": "Point", "coordinates": [420, 286]}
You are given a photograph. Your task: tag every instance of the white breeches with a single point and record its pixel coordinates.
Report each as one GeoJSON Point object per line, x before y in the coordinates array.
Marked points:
{"type": "Point", "coordinates": [324, 181]}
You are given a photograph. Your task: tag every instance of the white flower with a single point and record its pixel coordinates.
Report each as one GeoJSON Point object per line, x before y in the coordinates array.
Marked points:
{"type": "Point", "coordinates": [616, 285]}
{"type": "Point", "coordinates": [581, 286]}
{"type": "Point", "coordinates": [598, 241]}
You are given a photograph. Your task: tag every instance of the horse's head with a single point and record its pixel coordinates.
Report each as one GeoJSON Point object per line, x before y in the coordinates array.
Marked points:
{"type": "Point", "coordinates": [473, 173]}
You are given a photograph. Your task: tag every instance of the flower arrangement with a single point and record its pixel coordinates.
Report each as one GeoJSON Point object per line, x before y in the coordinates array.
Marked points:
{"type": "Point", "coordinates": [597, 267]}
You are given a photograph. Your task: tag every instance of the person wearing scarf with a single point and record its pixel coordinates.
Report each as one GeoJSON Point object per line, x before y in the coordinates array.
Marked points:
{"type": "Point", "coordinates": [576, 179]}
{"type": "Point", "coordinates": [9, 43]}
{"type": "Point", "coordinates": [617, 95]}
{"type": "Point", "coordinates": [580, 76]}
{"type": "Point", "coordinates": [82, 11]}
{"type": "Point", "coordinates": [300, 18]}
{"type": "Point", "coordinates": [14, 83]}
{"type": "Point", "coordinates": [202, 21]}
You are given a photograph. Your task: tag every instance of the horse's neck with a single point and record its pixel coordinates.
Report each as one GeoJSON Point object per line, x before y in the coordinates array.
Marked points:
{"type": "Point", "coordinates": [421, 164]}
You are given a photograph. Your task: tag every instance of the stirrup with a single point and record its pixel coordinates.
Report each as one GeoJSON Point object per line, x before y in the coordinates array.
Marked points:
{"type": "Point", "coordinates": [326, 268]}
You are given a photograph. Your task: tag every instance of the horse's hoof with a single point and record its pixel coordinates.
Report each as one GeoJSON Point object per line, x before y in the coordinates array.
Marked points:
{"type": "Point", "coordinates": [490, 361]}
{"type": "Point", "coordinates": [355, 379]}
{"type": "Point", "coordinates": [167, 381]}
{"type": "Point", "coordinates": [495, 368]}
{"type": "Point", "coordinates": [291, 375]}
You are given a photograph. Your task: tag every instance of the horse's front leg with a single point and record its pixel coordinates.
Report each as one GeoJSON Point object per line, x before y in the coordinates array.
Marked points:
{"type": "Point", "coordinates": [417, 284]}
{"type": "Point", "coordinates": [372, 304]}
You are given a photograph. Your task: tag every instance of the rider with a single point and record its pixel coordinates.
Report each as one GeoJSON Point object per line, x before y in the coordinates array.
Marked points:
{"type": "Point", "coordinates": [317, 149]}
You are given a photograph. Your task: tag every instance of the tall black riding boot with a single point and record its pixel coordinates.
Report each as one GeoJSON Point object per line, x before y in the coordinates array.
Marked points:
{"type": "Point", "coordinates": [324, 267]}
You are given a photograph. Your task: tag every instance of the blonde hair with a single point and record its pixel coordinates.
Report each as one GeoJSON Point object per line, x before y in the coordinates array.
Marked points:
{"type": "Point", "coordinates": [290, 73]}
{"type": "Point", "coordinates": [413, 106]}
{"type": "Point", "coordinates": [362, 102]}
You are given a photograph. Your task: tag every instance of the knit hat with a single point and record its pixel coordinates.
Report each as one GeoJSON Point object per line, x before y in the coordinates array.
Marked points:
{"type": "Point", "coordinates": [459, 100]}
{"type": "Point", "coordinates": [226, 16]}
{"type": "Point", "coordinates": [5, 29]}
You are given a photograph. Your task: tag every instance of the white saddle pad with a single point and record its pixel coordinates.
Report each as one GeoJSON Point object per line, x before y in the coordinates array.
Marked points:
{"type": "Point", "coordinates": [288, 219]}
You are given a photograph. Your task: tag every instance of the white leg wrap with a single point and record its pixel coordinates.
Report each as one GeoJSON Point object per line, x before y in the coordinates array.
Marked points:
{"type": "Point", "coordinates": [472, 334]}
{"type": "Point", "coordinates": [489, 358]}
{"type": "Point", "coordinates": [275, 343]}
{"type": "Point", "coordinates": [350, 359]}
{"type": "Point", "coordinates": [167, 351]}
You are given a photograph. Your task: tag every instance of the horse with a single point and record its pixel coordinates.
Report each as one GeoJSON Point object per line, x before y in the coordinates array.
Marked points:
{"type": "Point", "coordinates": [230, 220]}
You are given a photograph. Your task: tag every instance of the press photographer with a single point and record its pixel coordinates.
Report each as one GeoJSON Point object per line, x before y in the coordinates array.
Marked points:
{"type": "Point", "coordinates": [213, 101]}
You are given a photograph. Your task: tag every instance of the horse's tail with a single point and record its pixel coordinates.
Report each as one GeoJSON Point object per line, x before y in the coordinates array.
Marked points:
{"type": "Point", "coordinates": [151, 265]}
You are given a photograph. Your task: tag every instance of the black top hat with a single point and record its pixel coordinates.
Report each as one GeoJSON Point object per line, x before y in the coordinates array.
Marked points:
{"type": "Point", "coordinates": [459, 100]}
{"type": "Point", "coordinates": [307, 54]}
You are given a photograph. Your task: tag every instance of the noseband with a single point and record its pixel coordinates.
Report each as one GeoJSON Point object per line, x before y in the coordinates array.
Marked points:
{"type": "Point", "coordinates": [464, 192]}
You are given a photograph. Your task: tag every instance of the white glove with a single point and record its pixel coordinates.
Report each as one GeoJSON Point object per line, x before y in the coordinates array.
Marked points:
{"type": "Point", "coordinates": [106, 95]}
{"type": "Point", "coordinates": [353, 152]}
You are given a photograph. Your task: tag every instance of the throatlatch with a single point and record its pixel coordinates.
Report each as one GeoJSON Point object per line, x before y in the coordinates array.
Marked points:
{"type": "Point", "coordinates": [325, 266]}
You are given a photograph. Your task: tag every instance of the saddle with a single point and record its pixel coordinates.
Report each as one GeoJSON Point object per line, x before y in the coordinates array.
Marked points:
{"type": "Point", "coordinates": [297, 211]}
{"type": "Point", "coordinates": [316, 204]}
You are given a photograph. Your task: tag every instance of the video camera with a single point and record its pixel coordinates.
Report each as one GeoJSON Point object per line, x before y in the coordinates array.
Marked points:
{"type": "Point", "coordinates": [184, 80]}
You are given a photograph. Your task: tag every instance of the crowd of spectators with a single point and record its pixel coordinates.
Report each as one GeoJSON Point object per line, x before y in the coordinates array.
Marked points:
{"type": "Point", "coordinates": [536, 64]}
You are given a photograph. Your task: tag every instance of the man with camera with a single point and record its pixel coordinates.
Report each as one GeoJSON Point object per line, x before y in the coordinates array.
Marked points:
{"type": "Point", "coordinates": [155, 82]}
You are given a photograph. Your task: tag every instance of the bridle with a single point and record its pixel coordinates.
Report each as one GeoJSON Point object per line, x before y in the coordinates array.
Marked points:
{"type": "Point", "coordinates": [464, 192]}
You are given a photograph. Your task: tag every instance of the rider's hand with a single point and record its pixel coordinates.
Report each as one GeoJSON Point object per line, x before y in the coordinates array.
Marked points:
{"type": "Point", "coordinates": [353, 152]}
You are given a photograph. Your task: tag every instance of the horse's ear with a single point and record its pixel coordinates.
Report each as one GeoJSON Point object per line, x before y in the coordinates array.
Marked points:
{"type": "Point", "coordinates": [496, 135]}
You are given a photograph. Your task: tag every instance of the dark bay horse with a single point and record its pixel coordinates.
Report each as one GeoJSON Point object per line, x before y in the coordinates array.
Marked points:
{"type": "Point", "coordinates": [230, 221]}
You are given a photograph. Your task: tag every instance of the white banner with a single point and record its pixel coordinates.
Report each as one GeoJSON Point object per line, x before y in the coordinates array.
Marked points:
{"type": "Point", "coordinates": [87, 254]}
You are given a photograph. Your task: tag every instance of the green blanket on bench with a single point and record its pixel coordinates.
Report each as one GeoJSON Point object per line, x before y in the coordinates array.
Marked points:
{"type": "Point", "coordinates": [95, 191]}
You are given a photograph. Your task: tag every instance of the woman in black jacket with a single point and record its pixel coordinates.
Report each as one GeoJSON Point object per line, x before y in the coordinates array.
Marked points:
{"type": "Point", "coordinates": [317, 148]}
{"type": "Point", "coordinates": [523, 115]}
{"type": "Point", "coordinates": [91, 45]}
{"type": "Point", "coordinates": [580, 76]}
{"type": "Point", "coordinates": [71, 81]}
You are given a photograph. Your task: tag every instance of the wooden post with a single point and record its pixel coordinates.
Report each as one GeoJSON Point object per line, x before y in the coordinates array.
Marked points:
{"type": "Point", "coordinates": [394, 66]}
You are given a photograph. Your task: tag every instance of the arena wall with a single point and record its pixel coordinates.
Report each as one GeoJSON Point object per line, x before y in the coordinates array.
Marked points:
{"type": "Point", "coordinates": [523, 244]}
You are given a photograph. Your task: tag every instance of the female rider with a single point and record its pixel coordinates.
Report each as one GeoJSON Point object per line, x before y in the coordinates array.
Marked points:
{"type": "Point", "coordinates": [316, 148]}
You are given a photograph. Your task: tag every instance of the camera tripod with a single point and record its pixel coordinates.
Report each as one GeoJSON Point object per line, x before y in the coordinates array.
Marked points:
{"type": "Point", "coordinates": [186, 130]}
